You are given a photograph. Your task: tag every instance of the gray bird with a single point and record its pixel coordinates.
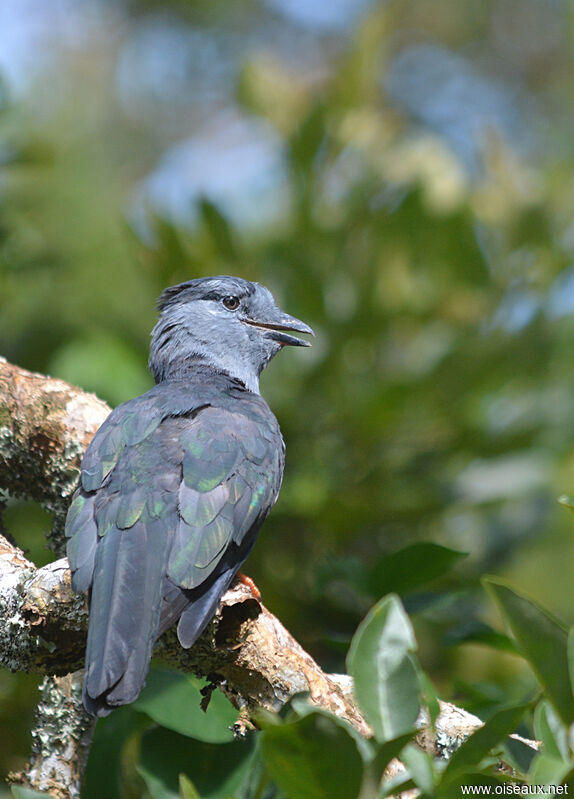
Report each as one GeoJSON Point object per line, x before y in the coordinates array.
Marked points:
{"type": "Point", "coordinates": [176, 483]}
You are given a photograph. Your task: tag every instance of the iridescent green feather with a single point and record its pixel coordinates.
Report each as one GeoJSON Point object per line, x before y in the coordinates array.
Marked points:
{"type": "Point", "coordinates": [138, 425]}
{"type": "Point", "coordinates": [179, 567]}
{"type": "Point", "coordinates": [106, 514]}
{"type": "Point", "coordinates": [74, 548]}
{"type": "Point", "coordinates": [196, 550]}
{"type": "Point", "coordinates": [159, 504]}
{"type": "Point", "coordinates": [214, 538]}
{"type": "Point", "coordinates": [200, 508]}
{"type": "Point", "coordinates": [101, 456]}
{"type": "Point", "coordinates": [249, 508]}
{"type": "Point", "coordinates": [131, 507]}
{"type": "Point", "coordinates": [73, 512]}
{"type": "Point", "coordinates": [256, 448]}
{"type": "Point", "coordinates": [206, 468]}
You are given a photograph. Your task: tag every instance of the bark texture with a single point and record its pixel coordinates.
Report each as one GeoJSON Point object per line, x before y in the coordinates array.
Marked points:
{"type": "Point", "coordinates": [45, 426]}
{"type": "Point", "coordinates": [61, 739]}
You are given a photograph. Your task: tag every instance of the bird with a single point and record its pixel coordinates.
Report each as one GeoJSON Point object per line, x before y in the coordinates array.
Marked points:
{"type": "Point", "coordinates": [177, 482]}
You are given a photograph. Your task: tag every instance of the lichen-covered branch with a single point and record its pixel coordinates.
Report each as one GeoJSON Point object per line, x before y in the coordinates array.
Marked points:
{"type": "Point", "coordinates": [256, 662]}
{"type": "Point", "coordinates": [245, 650]}
{"type": "Point", "coordinates": [45, 426]}
{"type": "Point", "coordinates": [61, 739]}
{"type": "Point", "coordinates": [42, 622]}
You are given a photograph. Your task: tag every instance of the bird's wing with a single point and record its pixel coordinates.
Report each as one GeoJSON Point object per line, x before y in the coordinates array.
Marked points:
{"type": "Point", "coordinates": [174, 500]}
{"type": "Point", "coordinates": [231, 474]}
{"type": "Point", "coordinates": [126, 426]}
{"type": "Point", "coordinates": [232, 468]}
{"type": "Point", "coordinates": [119, 526]}
{"type": "Point", "coordinates": [229, 466]}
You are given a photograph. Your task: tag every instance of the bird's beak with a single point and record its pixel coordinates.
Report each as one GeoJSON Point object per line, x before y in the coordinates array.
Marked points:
{"type": "Point", "coordinates": [279, 325]}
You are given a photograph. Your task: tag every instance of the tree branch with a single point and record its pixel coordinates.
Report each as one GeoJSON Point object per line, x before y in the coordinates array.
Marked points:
{"type": "Point", "coordinates": [45, 427]}
{"type": "Point", "coordinates": [61, 739]}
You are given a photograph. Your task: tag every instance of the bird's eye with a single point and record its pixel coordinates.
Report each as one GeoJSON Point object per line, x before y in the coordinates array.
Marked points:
{"type": "Point", "coordinates": [231, 303]}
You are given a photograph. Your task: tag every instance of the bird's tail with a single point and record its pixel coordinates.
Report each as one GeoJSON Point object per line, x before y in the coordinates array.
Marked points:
{"type": "Point", "coordinates": [124, 615]}
{"type": "Point", "coordinates": [200, 611]}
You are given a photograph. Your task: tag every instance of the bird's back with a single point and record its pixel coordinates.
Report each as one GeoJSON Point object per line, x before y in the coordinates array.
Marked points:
{"type": "Point", "coordinates": [174, 488]}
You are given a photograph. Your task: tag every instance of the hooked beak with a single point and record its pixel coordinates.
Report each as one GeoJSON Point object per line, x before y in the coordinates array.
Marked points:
{"type": "Point", "coordinates": [279, 325]}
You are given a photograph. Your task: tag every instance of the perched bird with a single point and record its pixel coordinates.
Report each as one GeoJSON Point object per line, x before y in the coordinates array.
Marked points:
{"type": "Point", "coordinates": [176, 483]}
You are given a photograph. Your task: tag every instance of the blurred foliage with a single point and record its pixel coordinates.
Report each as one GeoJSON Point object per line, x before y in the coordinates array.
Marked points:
{"type": "Point", "coordinates": [431, 249]}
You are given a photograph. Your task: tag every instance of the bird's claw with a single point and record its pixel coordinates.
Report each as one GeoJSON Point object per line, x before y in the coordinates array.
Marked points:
{"type": "Point", "coordinates": [243, 726]}
{"type": "Point", "coordinates": [244, 579]}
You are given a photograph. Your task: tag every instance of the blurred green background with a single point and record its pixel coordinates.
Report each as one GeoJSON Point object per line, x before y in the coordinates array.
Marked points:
{"type": "Point", "coordinates": [401, 175]}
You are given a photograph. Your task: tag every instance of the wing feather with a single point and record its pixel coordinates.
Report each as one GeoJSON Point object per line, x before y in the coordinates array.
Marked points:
{"type": "Point", "coordinates": [82, 535]}
{"type": "Point", "coordinates": [224, 493]}
{"type": "Point", "coordinates": [102, 454]}
{"type": "Point", "coordinates": [130, 508]}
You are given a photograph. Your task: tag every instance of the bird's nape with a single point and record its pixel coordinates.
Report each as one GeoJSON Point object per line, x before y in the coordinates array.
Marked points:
{"type": "Point", "coordinates": [229, 324]}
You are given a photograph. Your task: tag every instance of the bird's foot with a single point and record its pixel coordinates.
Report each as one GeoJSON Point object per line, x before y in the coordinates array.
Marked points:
{"type": "Point", "coordinates": [246, 580]}
{"type": "Point", "coordinates": [243, 726]}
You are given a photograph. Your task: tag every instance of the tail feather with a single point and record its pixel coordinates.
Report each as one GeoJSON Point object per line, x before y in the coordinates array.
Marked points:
{"type": "Point", "coordinates": [199, 613]}
{"type": "Point", "coordinates": [174, 601]}
{"type": "Point", "coordinates": [205, 598]}
{"type": "Point", "coordinates": [125, 609]}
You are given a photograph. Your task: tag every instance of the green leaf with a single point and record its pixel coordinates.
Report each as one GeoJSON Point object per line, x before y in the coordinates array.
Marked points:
{"type": "Point", "coordinates": [104, 770]}
{"type": "Point", "coordinates": [549, 729]}
{"type": "Point", "coordinates": [543, 641]}
{"type": "Point", "coordinates": [27, 793]}
{"type": "Point", "coordinates": [567, 779]}
{"type": "Point", "coordinates": [477, 632]}
{"type": "Point", "coordinates": [174, 701]}
{"type": "Point", "coordinates": [314, 757]}
{"type": "Point", "coordinates": [470, 756]}
{"type": "Point", "coordinates": [519, 755]}
{"type": "Point", "coordinates": [570, 655]}
{"type": "Point", "coordinates": [384, 753]}
{"type": "Point", "coordinates": [396, 785]}
{"type": "Point", "coordinates": [548, 770]}
{"type": "Point", "coordinates": [421, 768]}
{"type": "Point", "coordinates": [381, 663]}
{"type": "Point", "coordinates": [215, 770]}
{"type": "Point", "coordinates": [567, 502]}
{"type": "Point", "coordinates": [412, 567]}
{"type": "Point", "coordinates": [429, 696]}
{"type": "Point", "coordinates": [187, 788]}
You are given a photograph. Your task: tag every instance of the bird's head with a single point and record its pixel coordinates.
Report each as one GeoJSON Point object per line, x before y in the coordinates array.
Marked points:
{"type": "Point", "coordinates": [227, 322]}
